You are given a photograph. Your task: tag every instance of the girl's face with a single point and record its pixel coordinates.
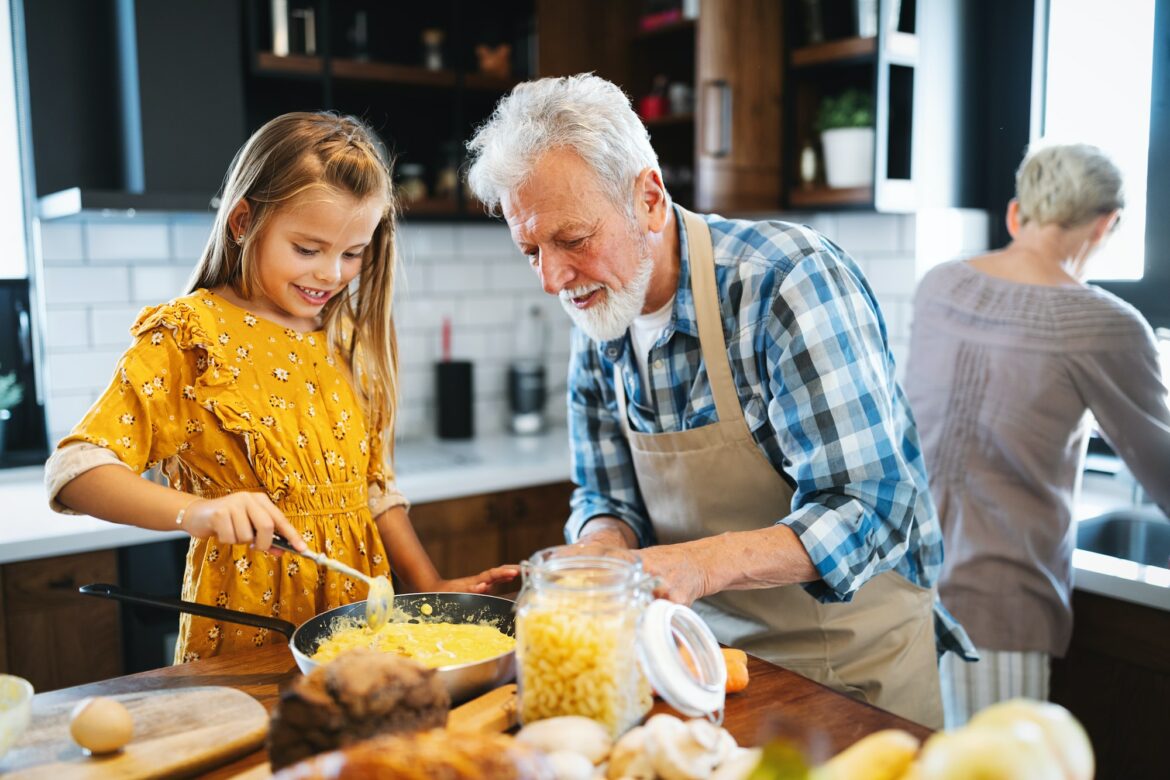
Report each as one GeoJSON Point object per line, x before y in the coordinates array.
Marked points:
{"type": "Point", "coordinates": [309, 252]}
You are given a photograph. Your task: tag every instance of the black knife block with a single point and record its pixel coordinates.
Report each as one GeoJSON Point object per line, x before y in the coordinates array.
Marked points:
{"type": "Point", "coordinates": [454, 393]}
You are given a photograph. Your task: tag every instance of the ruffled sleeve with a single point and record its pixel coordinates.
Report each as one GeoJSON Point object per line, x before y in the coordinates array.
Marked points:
{"type": "Point", "coordinates": [138, 416]}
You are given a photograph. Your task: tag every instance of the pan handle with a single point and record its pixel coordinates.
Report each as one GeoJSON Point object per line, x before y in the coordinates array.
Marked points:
{"type": "Point", "coordinates": [107, 591]}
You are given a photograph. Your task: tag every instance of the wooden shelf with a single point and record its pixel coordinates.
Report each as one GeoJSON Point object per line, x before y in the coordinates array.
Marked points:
{"type": "Point", "coordinates": [821, 196]}
{"type": "Point", "coordinates": [670, 120]}
{"type": "Point", "coordinates": [384, 72]}
{"type": "Point", "coordinates": [291, 65]}
{"type": "Point", "coordinates": [671, 28]}
{"type": "Point", "coordinates": [412, 75]}
{"type": "Point", "coordinates": [429, 207]}
{"type": "Point", "coordinates": [838, 52]}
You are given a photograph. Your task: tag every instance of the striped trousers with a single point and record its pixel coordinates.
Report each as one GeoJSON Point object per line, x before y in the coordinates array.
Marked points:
{"type": "Point", "coordinates": [997, 676]}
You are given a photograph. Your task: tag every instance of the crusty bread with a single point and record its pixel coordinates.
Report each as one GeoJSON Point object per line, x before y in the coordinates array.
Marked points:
{"type": "Point", "coordinates": [359, 694]}
{"type": "Point", "coordinates": [427, 755]}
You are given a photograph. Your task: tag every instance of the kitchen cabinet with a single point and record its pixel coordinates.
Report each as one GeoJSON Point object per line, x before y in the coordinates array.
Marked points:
{"type": "Point", "coordinates": [825, 56]}
{"type": "Point", "coordinates": [467, 535]}
{"type": "Point", "coordinates": [723, 155]}
{"type": "Point", "coordinates": [372, 60]}
{"type": "Point", "coordinates": [52, 636]}
{"type": "Point", "coordinates": [1116, 679]}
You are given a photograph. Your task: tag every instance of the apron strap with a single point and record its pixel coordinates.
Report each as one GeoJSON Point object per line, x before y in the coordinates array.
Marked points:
{"type": "Point", "coordinates": [702, 256]}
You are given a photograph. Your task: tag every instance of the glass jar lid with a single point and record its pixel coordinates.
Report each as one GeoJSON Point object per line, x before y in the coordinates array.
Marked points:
{"type": "Point", "coordinates": [682, 660]}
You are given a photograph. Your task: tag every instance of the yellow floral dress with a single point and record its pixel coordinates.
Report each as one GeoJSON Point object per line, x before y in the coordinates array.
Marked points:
{"type": "Point", "coordinates": [226, 401]}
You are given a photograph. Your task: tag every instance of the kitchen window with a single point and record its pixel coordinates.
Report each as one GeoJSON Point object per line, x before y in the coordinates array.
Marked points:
{"type": "Point", "coordinates": [1104, 73]}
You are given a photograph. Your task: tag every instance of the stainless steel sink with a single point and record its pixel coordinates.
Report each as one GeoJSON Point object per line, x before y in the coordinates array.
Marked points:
{"type": "Point", "coordinates": [1140, 534]}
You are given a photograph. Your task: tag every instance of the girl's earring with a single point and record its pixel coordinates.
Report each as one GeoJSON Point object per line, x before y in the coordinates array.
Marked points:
{"type": "Point", "coordinates": [240, 239]}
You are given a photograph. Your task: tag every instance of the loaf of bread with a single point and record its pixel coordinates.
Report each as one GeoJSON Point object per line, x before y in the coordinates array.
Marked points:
{"type": "Point", "coordinates": [428, 755]}
{"type": "Point", "coordinates": [359, 694]}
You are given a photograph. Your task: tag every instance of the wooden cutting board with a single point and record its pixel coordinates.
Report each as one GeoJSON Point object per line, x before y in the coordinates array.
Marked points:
{"type": "Point", "coordinates": [176, 732]}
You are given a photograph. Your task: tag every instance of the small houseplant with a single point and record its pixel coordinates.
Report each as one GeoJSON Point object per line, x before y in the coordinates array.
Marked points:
{"type": "Point", "coordinates": [845, 122]}
{"type": "Point", "coordinates": [11, 394]}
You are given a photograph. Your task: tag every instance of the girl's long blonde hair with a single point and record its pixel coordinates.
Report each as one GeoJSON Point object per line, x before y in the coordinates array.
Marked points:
{"type": "Point", "coordinates": [288, 157]}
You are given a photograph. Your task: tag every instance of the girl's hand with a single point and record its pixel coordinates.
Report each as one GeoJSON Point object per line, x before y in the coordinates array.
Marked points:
{"type": "Point", "coordinates": [241, 518]}
{"type": "Point", "coordinates": [484, 582]}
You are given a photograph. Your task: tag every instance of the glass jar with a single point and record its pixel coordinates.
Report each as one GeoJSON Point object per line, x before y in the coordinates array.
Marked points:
{"type": "Point", "coordinates": [591, 640]}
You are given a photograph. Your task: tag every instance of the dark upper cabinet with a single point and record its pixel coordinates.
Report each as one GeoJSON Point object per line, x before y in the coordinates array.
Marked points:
{"type": "Point", "coordinates": [134, 95]}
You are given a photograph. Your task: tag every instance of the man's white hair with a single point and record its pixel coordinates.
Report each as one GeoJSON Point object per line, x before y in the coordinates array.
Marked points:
{"type": "Point", "coordinates": [583, 113]}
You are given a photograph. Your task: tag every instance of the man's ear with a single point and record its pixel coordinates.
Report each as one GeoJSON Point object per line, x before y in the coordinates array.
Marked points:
{"type": "Point", "coordinates": [650, 199]}
{"type": "Point", "coordinates": [1013, 217]}
{"type": "Point", "coordinates": [239, 219]}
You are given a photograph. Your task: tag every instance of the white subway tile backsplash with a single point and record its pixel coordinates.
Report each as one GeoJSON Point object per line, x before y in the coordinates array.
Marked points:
{"type": "Point", "coordinates": [62, 242]}
{"type": "Point", "coordinates": [422, 240]}
{"type": "Point", "coordinates": [491, 417]}
{"type": "Point", "coordinates": [66, 328]}
{"type": "Point", "coordinates": [110, 325]}
{"type": "Point", "coordinates": [83, 371]}
{"type": "Point", "coordinates": [487, 240]}
{"type": "Point", "coordinates": [859, 234]}
{"type": "Point", "coordinates": [415, 349]}
{"type": "Point", "coordinates": [469, 277]}
{"type": "Point", "coordinates": [154, 284]}
{"type": "Point", "coordinates": [491, 379]}
{"type": "Point", "coordinates": [471, 274]}
{"type": "Point", "coordinates": [80, 284]}
{"type": "Point", "coordinates": [414, 278]}
{"type": "Point", "coordinates": [123, 241]}
{"type": "Point", "coordinates": [514, 277]}
{"type": "Point", "coordinates": [892, 276]}
{"type": "Point", "coordinates": [64, 410]}
{"type": "Point", "coordinates": [188, 238]}
{"type": "Point", "coordinates": [487, 310]}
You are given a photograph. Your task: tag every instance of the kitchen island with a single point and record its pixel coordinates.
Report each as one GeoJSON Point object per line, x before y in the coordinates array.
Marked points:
{"type": "Point", "coordinates": [775, 699]}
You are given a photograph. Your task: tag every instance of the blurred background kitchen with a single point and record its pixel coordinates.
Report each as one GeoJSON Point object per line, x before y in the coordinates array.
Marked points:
{"type": "Point", "coordinates": [892, 126]}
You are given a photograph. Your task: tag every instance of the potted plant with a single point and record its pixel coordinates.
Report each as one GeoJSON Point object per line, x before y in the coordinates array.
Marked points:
{"type": "Point", "coordinates": [11, 394]}
{"type": "Point", "coordinates": [846, 125]}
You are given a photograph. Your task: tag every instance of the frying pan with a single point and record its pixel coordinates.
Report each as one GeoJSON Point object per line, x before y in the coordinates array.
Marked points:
{"type": "Point", "coordinates": [463, 681]}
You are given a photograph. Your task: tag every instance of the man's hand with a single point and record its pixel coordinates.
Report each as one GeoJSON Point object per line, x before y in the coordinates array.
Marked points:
{"type": "Point", "coordinates": [682, 576]}
{"type": "Point", "coordinates": [490, 581]}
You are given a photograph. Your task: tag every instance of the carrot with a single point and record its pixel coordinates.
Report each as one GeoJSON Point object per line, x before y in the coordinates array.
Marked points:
{"type": "Point", "coordinates": [731, 654]}
{"type": "Point", "coordinates": [735, 660]}
{"type": "Point", "coordinates": [737, 677]}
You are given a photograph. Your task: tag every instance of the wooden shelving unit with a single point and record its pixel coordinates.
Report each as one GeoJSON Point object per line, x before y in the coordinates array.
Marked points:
{"type": "Point", "coordinates": [671, 120]}
{"type": "Point", "coordinates": [881, 66]}
{"type": "Point", "coordinates": [342, 68]}
{"type": "Point", "coordinates": [424, 115]}
{"type": "Point", "coordinates": [835, 52]}
{"type": "Point", "coordinates": [829, 197]}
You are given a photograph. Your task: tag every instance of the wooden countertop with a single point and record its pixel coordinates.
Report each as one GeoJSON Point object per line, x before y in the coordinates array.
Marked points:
{"type": "Point", "coordinates": [775, 699]}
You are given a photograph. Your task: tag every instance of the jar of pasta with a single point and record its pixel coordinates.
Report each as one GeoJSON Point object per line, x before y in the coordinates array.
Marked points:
{"type": "Point", "coordinates": [591, 640]}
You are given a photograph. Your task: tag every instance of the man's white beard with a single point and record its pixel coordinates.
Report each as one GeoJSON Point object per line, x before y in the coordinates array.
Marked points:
{"type": "Point", "coordinates": [609, 318]}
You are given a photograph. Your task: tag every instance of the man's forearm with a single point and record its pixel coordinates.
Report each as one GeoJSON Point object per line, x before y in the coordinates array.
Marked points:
{"type": "Point", "coordinates": [746, 560]}
{"type": "Point", "coordinates": [608, 531]}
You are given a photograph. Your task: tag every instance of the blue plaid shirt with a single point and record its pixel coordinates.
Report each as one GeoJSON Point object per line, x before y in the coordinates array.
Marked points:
{"type": "Point", "coordinates": [812, 366]}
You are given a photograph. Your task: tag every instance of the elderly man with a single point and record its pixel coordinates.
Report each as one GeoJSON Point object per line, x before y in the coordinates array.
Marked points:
{"type": "Point", "coordinates": [732, 403]}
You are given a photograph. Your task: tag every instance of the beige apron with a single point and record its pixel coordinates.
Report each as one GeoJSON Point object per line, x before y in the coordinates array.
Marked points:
{"type": "Point", "coordinates": [880, 646]}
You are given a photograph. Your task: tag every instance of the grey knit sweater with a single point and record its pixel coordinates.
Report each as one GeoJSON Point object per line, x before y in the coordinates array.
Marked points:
{"type": "Point", "coordinates": [1004, 380]}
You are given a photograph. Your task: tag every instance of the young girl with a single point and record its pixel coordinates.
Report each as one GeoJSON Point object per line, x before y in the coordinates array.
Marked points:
{"type": "Point", "coordinates": [267, 394]}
